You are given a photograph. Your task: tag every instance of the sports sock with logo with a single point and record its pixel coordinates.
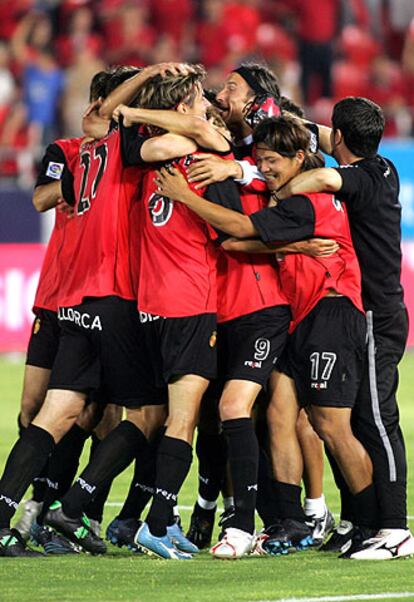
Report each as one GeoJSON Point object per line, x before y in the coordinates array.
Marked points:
{"type": "Point", "coordinates": [112, 456]}
{"type": "Point", "coordinates": [173, 463]}
{"type": "Point", "coordinates": [211, 452]}
{"type": "Point", "coordinates": [26, 460]}
{"type": "Point", "coordinates": [95, 508]}
{"type": "Point", "coordinates": [142, 484]}
{"type": "Point", "coordinates": [62, 466]}
{"type": "Point", "coordinates": [243, 454]}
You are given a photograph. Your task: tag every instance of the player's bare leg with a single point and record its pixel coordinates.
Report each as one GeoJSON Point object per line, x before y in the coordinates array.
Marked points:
{"type": "Point", "coordinates": [313, 467]}
{"type": "Point", "coordinates": [35, 383]}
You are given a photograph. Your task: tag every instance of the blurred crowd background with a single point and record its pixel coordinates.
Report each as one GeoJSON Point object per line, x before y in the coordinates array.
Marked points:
{"type": "Point", "coordinates": [321, 50]}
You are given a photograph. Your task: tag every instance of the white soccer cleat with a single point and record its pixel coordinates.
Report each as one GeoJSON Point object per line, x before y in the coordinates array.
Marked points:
{"type": "Point", "coordinates": [258, 549]}
{"type": "Point", "coordinates": [388, 544]}
{"type": "Point", "coordinates": [234, 544]}
{"type": "Point", "coordinates": [31, 511]}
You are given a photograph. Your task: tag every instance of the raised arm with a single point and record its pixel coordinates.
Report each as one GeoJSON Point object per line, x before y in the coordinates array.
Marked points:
{"type": "Point", "coordinates": [200, 130]}
{"type": "Point", "coordinates": [124, 93]}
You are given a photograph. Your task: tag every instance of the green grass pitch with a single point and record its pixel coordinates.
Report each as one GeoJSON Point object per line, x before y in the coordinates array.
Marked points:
{"type": "Point", "coordinates": [121, 575]}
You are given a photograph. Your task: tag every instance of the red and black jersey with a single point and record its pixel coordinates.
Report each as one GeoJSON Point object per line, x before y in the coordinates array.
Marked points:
{"type": "Point", "coordinates": [306, 280]}
{"type": "Point", "coordinates": [177, 255]}
{"type": "Point", "coordinates": [247, 282]}
{"type": "Point", "coordinates": [103, 256]}
{"type": "Point", "coordinates": [59, 156]}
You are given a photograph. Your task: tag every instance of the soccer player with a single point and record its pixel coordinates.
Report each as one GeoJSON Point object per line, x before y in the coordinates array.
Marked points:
{"type": "Point", "coordinates": [325, 297]}
{"type": "Point", "coordinates": [101, 333]}
{"type": "Point", "coordinates": [369, 186]}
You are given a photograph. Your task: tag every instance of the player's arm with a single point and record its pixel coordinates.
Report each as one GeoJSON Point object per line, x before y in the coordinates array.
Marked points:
{"type": "Point", "coordinates": [293, 221]}
{"type": "Point", "coordinates": [125, 92]}
{"type": "Point", "coordinates": [47, 196]}
{"type": "Point", "coordinates": [200, 130]}
{"type": "Point", "coordinates": [48, 187]}
{"type": "Point", "coordinates": [323, 179]}
{"type": "Point", "coordinates": [314, 247]}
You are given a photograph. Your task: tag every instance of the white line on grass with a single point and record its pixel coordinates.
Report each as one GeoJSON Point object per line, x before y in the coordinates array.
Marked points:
{"type": "Point", "coordinates": [381, 596]}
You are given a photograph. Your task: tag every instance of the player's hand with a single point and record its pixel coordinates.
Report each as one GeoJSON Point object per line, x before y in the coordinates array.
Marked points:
{"type": "Point", "coordinates": [209, 169]}
{"type": "Point", "coordinates": [165, 69]}
{"type": "Point", "coordinates": [171, 183]}
{"type": "Point", "coordinates": [318, 247]}
{"type": "Point", "coordinates": [63, 207]}
{"type": "Point", "coordinates": [127, 114]}
{"type": "Point", "coordinates": [93, 106]}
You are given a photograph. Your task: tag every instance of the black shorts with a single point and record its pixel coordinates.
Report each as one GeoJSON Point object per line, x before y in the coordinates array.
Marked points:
{"type": "Point", "coordinates": [325, 355]}
{"type": "Point", "coordinates": [44, 340]}
{"type": "Point", "coordinates": [178, 346]}
{"type": "Point", "coordinates": [249, 346]}
{"type": "Point", "coordinates": [102, 347]}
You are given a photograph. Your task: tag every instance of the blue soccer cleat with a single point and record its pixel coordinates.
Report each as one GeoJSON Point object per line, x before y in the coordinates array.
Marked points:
{"type": "Point", "coordinates": [175, 533]}
{"type": "Point", "coordinates": [121, 532]}
{"type": "Point", "coordinates": [162, 547]}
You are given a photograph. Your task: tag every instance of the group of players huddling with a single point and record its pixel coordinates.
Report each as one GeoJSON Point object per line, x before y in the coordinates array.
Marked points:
{"type": "Point", "coordinates": [205, 270]}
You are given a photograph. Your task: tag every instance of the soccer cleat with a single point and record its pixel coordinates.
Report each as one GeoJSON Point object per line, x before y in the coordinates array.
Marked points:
{"type": "Point", "coordinates": [287, 535]}
{"type": "Point", "coordinates": [201, 527]}
{"type": "Point", "coordinates": [51, 542]}
{"type": "Point", "coordinates": [235, 543]}
{"type": "Point", "coordinates": [76, 530]}
{"type": "Point", "coordinates": [96, 527]}
{"type": "Point", "coordinates": [31, 511]}
{"type": "Point", "coordinates": [175, 533]}
{"type": "Point", "coordinates": [387, 544]}
{"type": "Point", "coordinates": [121, 532]}
{"type": "Point", "coordinates": [258, 549]}
{"type": "Point", "coordinates": [321, 527]}
{"type": "Point", "coordinates": [340, 539]}
{"type": "Point", "coordinates": [359, 537]}
{"type": "Point", "coordinates": [161, 547]}
{"type": "Point", "coordinates": [12, 545]}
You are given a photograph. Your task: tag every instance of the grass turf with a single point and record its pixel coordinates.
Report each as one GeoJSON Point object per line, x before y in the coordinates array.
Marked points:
{"type": "Point", "coordinates": [135, 578]}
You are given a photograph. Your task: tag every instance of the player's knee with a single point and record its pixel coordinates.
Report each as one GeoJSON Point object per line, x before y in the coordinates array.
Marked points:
{"type": "Point", "coordinates": [231, 408]}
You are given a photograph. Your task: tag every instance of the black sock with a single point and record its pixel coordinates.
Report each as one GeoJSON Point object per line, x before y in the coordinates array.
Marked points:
{"type": "Point", "coordinates": [112, 456]}
{"type": "Point", "coordinates": [62, 467]}
{"type": "Point", "coordinates": [211, 452]}
{"type": "Point", "coordinates": [95, 508]}
{"type": "Point", "coordinates": [347, 503]}
{"type": "Point", "coordinates": [243, 454]}
{"type": "Point", "coordinates": [173, 463]}
{"type": "Point", "coordinates": [266, 504]}
{"type": "Point", "coordinates": [288, 500]}
{"type": "Point", "coordinates": [366, 510]}
{"type": "Point", "coordinates": [25, 462]}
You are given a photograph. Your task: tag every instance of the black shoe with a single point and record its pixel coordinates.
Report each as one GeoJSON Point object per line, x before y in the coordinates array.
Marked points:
{"type": "Point", "coordinates": [201, 527]}
{"type": "Point", "coordinates": [340, 539]}
{"type": "Point", "coordinates": [75, 529]}
{"type": "Point", "coordinates": [360, 535]}
{"type": "Point", "coordinates": [12, 544]}
{"type": "Point", "coordinates": [287, 535]}
{"type": "Point", "coordinates": [225, 521]}
{"type": "Point", "coordinates": [121, 532]}
{"type": "Point", "coordinates": [53, 543]}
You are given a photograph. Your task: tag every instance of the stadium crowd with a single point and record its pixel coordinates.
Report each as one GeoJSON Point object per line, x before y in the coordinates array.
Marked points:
{"type": "Point", "coordinates": [50, 49]}
{"type": "Point", "coordinates": [207, 273]}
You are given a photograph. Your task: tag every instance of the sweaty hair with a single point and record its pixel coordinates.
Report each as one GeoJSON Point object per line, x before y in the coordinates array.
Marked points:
{"type": "Point", "coordinates": [286, 136]}
{"type": "Point", "coordinates": [104, 82]}
{"type": "Point", "coordinates": [265, 78]}
{"type": "Point", "coordinates": [167, 92]}
{"type": "Point", "coordinates": [361, 122]}
{"type": "Point", "coordinates": [286, 104]}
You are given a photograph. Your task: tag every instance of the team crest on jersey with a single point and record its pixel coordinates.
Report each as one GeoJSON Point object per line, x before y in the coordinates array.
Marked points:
{"type": "Point", "coordinates": [36, 326]}
{"type": "Point", "coordinates": [160, 208]}
{"type": "Point", "coordinates": [213, 339]}
{"type": "Point", "coordinates": [54, 170]}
